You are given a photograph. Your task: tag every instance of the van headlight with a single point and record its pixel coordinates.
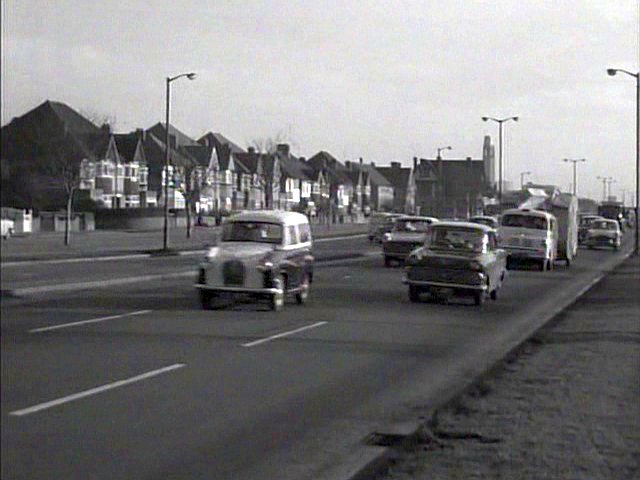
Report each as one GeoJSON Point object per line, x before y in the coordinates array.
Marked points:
{"type": "Point", "coordinates": [212, 253]}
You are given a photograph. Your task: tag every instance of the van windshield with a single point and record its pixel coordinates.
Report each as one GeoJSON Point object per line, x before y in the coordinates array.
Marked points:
{"type": "Point", "coordinates": [261, 232]}
{"type": "Point", "coordinates": [524, 221]}
{"type": "Point", "coordinates": [463, 239]}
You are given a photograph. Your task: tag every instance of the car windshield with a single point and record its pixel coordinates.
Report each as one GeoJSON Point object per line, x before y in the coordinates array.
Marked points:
{"type": "Point", "coordinates": [419, 226]}
{"type": "Point", "coordinates": [261, 232]}
{"type": "Point", "coordinates": [465, 239]}
{"type": "Point", "coordinates": [585, 221]}
{"type": "Point", "coordinates": [524, 221]}
{"type": "Point", "coordinates": [601, 225]}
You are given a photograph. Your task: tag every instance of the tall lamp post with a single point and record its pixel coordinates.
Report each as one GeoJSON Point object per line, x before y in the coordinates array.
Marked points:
{"type": "Point", "coordinates": [612, 72]}
{"type": "Point", "coordinates": [165, 243]}
{"type": "Point", "coordinates": [500, 121]}
{"type": "Point", "coordinates": [522, 175]}
{"type": "Point", "coordinates": [605, 180]}
{"type": "Point", "coordinates": [575, 161]}
{"type": "Point", "coordinates": [440, 149]}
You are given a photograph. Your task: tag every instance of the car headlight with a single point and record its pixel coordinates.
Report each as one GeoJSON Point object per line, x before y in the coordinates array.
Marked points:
{"type": "Point", "coordinates": [386, 237]}
{"type": "Point", "coordinates": [475, 266]}
{"type": "Point", "coordinates": [265, 263]}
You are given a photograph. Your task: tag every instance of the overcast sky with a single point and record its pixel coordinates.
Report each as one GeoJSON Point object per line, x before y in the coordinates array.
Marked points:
{"type": "Point", "coordinates": [384, 80]}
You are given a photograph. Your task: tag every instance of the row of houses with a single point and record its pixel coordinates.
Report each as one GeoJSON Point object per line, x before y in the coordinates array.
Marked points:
{"type": "Point", "coordinates": [53, 146]}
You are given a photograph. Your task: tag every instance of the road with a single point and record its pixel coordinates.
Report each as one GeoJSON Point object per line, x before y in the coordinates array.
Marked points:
{"type": "Point", "coordinates": [136, 382]}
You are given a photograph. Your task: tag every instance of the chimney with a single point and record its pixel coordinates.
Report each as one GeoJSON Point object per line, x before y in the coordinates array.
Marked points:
{"type": "Point", "coordinates": [395, 165]}
{"type": "Point", "coordinates": [140, 134]}
{"type": "Point", "coordinates": [172, 141]}
{"type": "Point", "coordinates": [360, 160]}
{"type": "Point", "coordinates": [347, 165]}
{"type": "Point", "coordinates": [302, 159]}
{"type": "Point", "coordinates": [373, 164]}
{"type": "Point", "coordinates": [283, 149]}
{"type": "Point", "coordinates": [106, 128]}
{"type": "Point", "coordinates": [251, 150]}
{"type": "Point", "coordinates": [415, 163]}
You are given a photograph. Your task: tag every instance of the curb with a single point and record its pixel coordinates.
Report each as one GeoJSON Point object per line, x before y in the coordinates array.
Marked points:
{"type": "Point", "coordinates": [412, 431]}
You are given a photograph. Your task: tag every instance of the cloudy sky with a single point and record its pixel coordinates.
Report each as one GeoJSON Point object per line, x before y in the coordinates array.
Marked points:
{"type": "Point", "coordinates": [382, 80]}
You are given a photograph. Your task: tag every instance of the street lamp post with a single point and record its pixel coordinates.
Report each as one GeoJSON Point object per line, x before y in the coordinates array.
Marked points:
{"type": "Point", "coordinates": [440, 149]}
{"type": "Point", "coordinates": [575, 161]}
{"type": "Point", "coordinates": [500, 121]}
{"type": "Point", "coordinates": [165, 243]}
{"type": "Point", "coordinates": [522, 175]}
{"type": "Point", "coordinates": [612, 72]}
{"type": "Point", "coordinates": [606, 181]}
{"type": "Point", "coordinates": [610, 181]}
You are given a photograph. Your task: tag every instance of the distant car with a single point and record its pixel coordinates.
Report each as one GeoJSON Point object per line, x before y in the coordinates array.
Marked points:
{"type": "Point", "coordinates": [263, 255]}
{"type": "Point", "coordinates": [7, 228]}
{"type": "Point", "coordinates": [604, 233]}
{"type": "Point", "coordinates": [584, 222]}
{"type": "Point", "coordinates": [458, 258]}
{"type": "Point", "coordinates": [408, 233]}
{"type": "Point", "coordinates": [379, 224]}
{"type": "Point", "coordinates": [485, 220]}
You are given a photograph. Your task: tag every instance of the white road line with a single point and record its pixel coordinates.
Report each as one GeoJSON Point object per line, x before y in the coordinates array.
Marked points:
{"type": "Point", "coordinates": [283, 334]}
{"type": "Point", "coordinates": [94, 391]}
{"type": "Point", "coordinates": [85, 322]}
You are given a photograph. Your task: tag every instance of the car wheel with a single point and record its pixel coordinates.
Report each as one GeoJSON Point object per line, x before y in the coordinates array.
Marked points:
{"type": "Point", "coordinates": [550, 264]}
{"type": "Point", "coordinates": [277, 299]}
{"type": "Point", "coordinates": [414, 293]}
{"type": "Point", "coordinates": [567, 262]}
{"type": "Point", "coordinates": [494, 294]}
{"type": "Point", "coordinates": [303, 294]}
{"type": "Point", "coordinates": [206, 300]}
{"type": "Point", "coordinates": [478, 297]}
{"type": "Point", "coordinates": [387, 262]}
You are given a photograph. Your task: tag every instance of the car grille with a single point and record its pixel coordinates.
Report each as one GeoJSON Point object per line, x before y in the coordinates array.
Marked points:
{"type": "Point", "coordinates": [400, 247]}
{"type": "Point", "coordinates": [521, 242]}
{"type": "Point", "coordinates": [233, 272]}
{"type": "Point", "coordinates": [444, 275]}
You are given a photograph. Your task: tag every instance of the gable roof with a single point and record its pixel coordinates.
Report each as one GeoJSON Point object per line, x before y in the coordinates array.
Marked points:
{"type": "Point", "coordinates": [397, 176]}
{"type": "Point", "coordinates": [182, 139]}
{"type": "Point", "coordinates": [375, 177]}
{"type": "Point", "coordinates": [127, 145]}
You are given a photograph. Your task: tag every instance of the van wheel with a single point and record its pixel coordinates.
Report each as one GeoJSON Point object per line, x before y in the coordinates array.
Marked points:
{"type": "Point", "coordinates": [206, 300]}
{"type": "Point", "coordinates": [277, 299]}
{"type": "Point", "coordinates": [494, 294]}
{"type": "Point", "coordinates": [303, 294]}
{"type": "Point", "coordinates": [414, 293]}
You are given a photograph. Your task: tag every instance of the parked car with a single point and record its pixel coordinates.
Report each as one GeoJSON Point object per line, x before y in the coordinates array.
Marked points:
{"type": "Point", "coordinates": [260, 254]}
{"type": "Point", "coordinates": [379, 224]}
{"type": "Point", "coordinates": [407, 234]}
{"type": "Point", "coordinates": [529, 235]}
{"type": "Point", "coordinates": [485, 220]}
{"type": "Point", "coordinates": [584, 222]}
{"type": "Point", "coordinates": [604, 233]}
{"type": "Point", "coordinates": [7, 228]}
{"type": "Point", "coordinates": [458, 258]}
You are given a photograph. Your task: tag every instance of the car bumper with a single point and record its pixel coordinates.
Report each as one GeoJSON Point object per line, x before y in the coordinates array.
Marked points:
{"type": "Point", "coordinates": [481, 286]}
{"type": "Point", "coordinates": [522, 253]}
{"type": "Point", "coordinates": [240, 290]}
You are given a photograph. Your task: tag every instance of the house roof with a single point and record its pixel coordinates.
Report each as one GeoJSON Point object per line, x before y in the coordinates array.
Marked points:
{"type": "Point", "coordinates": [127, 144]}
{"type": "Point", "coordinates": [182, 139]}
{"type": "Point", "coordinates": [397, 176]}
{"type": "Point", "coordinates": [200, 153]}
{"type": "Point", "coordinates": [375, 176]}
{"type": "Point", "coordinates": [250, 161]}
{"type": "Point", "coordinates": [295, 168]}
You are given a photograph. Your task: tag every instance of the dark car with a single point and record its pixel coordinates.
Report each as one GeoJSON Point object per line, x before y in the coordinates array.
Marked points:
{"type": "Point", "coordinates": [584, 223]}
{"type": "Point", "coordinates": [458, 258]}
{"type": "Point", "coordinates": [408, 233]}
{"type": "Point", "coordinates": [262, 255]}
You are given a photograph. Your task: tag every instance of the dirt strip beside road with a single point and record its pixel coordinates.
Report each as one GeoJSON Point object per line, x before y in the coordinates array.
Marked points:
{"type": "Point", "coordinates": [566, 406]}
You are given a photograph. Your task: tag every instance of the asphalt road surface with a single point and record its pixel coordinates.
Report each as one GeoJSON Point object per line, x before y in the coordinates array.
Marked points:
{"type": "Point", "coordinates": [137, 382]}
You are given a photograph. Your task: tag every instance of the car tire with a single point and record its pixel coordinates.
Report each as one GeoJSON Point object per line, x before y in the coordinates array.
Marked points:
{"type": "Point", "coordinates": [303, 294]}
{"type": "Point", "coordinates": [206, 300]}
{"type": "Point", "coordinates": [387, 262]}
{"type": "Point", "coordinates": [567, 262]}
{"type": "Point", "coordinates": [277, 299]}
{"type": "Point", "coordinates": [494, 294]}
{"type": "Point", "coordinates": [478, 297]}
{"type": "Point", "coordinates": [550, 265]}
{"type": "Point", "coordinates": [414, 293]}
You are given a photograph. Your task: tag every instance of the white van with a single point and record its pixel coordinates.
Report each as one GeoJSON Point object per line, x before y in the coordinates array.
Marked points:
{"type": "Point", "coordinates": [529, 235]}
